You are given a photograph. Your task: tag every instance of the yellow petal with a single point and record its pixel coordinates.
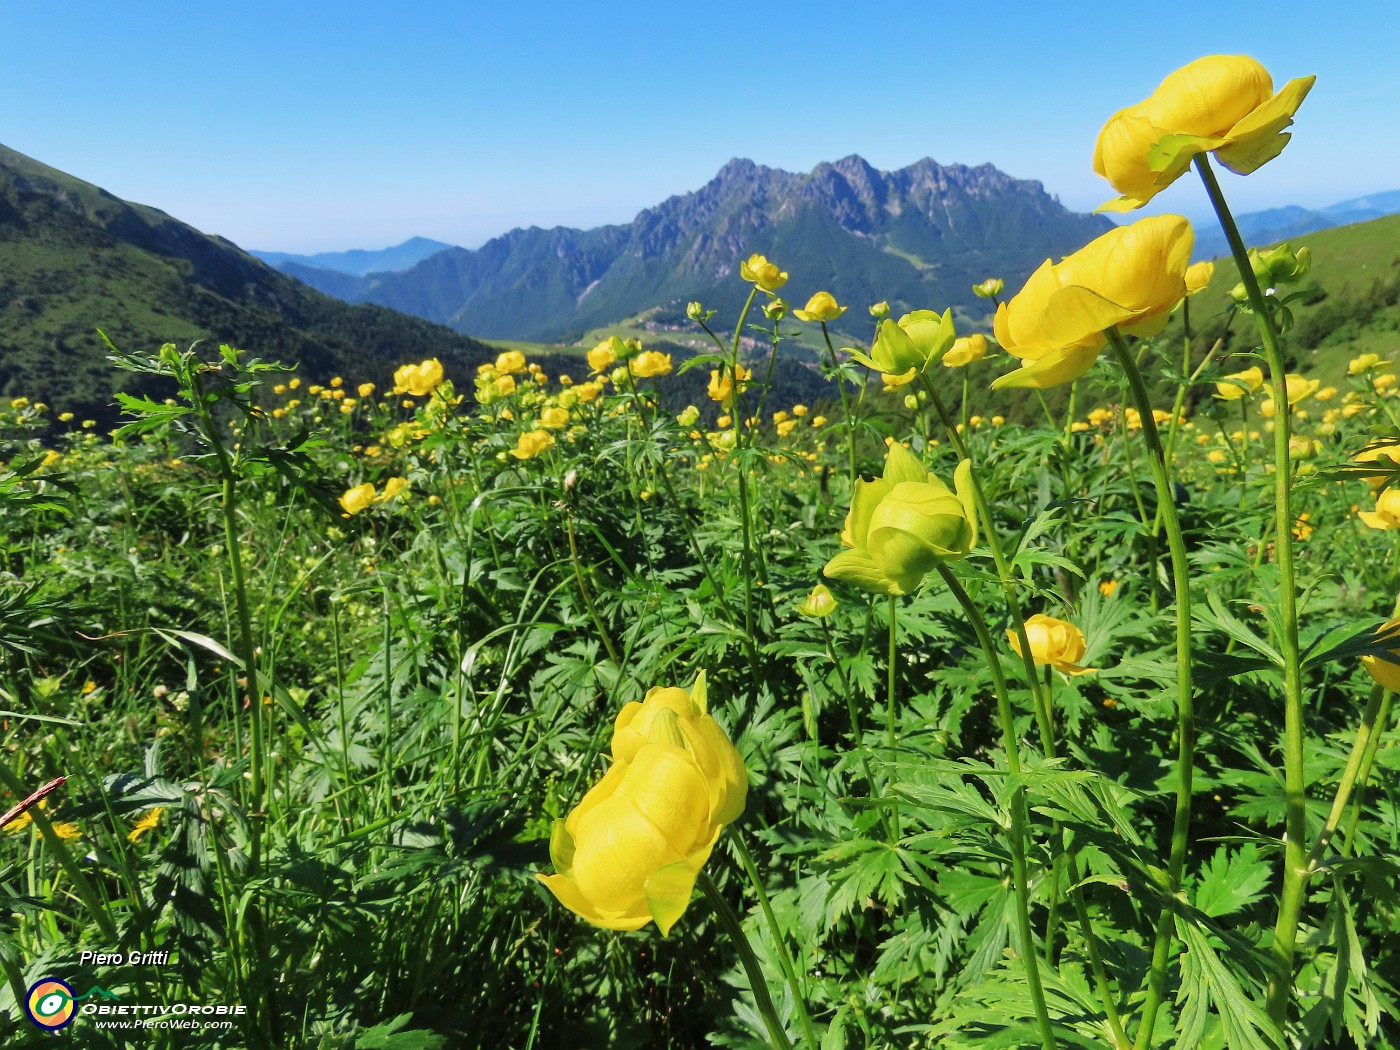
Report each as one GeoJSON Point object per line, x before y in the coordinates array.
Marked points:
{"type": "Point", "coordinates": [668, 890]}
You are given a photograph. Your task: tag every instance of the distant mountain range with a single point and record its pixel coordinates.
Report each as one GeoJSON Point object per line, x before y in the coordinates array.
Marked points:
{"type": "Point", "coordinates": [1282, 224]}
{"type": "Point", "coordinates": [918, 237]}
{"type": "Point", "coordinates": [74, 258]}
{"type": "Point", "coordinates": [360, 261]}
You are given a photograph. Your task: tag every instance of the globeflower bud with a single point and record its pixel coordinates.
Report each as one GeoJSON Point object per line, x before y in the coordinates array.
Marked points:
{"type": "Point", "coordinates": [694, 311]}
{"type": "Point", "coordinates": [820, 603]}
{"type": "Point", "coordinates": [775, 310]}
{"type": "Point", "coordinates": [689, 416]}
{"type": "Point", "coordinates": [989, 289]}
{"type": "Point", "coordinates": [880, 309]}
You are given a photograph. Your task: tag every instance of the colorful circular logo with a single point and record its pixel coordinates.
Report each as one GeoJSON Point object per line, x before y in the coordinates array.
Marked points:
{"type": "Point", "coordinates": [49, 1004]}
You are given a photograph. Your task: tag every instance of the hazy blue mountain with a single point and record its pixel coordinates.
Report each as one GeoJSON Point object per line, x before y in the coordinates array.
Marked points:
{"type": "Point", "coordinates": [919, 237]}
{"type": "Point", "coordinates": [358, 261]}
{"type": "Point", "coordinates": [1287, 223]}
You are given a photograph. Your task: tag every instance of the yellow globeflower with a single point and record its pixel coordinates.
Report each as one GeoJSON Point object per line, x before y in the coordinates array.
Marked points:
{"type": "Point", "coordinates": [651, 363]}
{"type": "Point", "coordinates": [1223, 104]}
{"type": "Point", "coordinates": [1387, 457]}
{"type": "Point", "coordinates": [1198, 276]}
{"type": "Point", "coordinates": [724, 386]}
{"type": "Point", "coordinates": [631, 850]}
{"type": "Point", "coordinates": [510, 362]}
{"type": "Point", "coordinates": [1299, 389]}
{"type": "Point", "coordinates": [821, 307]}
{"type": "Point", "coordinates": [554, 418]}
{"type": "Point", "coordinates": [420, 380]}
{"type": "Point", "coordinates": [760, 271]}
{"type": "Point", "coordinates": [965, 350]}
{"type": "Point", "coordinates": [393, 488]}
{"type": "Point", "coordinates": [1365, 363]}
{"type": "Point", "coordinates": [603, 356]}
{"type": "Point", "coordinates": [909, 346]}
{"type": "Point", "coordinates": [357, 499]}
{"type": "Point", "coordinates": [1055, 642]}
{"type": "Point", "coordinates": [1383, 671]}
{"type": "Point", "coordinates": [365, 390]}
{"type": "Point", "coordinates": [1387, 512]}
{"type": "Point", "coordinates": [1129, 278]}
{"type": "Point", "coordinates": [903, 525]}
{"type": "Point", "coordinates": [1246, 382]}
{"type": "Point", "coordinates": [532, 444]}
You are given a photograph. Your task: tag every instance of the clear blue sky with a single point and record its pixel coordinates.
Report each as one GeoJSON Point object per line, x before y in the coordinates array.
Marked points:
{"type": "Point", "coordinates": [305, 125]}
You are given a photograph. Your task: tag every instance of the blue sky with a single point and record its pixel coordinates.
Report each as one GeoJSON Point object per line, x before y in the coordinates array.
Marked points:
{"type": "Point", "coordinates": [307, 126]}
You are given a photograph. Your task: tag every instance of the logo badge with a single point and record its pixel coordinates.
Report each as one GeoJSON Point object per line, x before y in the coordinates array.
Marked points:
{"type": "Point", "coordinates": [49, 1004]}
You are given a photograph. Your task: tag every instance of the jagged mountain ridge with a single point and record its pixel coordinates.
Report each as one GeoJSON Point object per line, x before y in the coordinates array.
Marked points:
{"type": "Point", "coordinates": [919, 237]}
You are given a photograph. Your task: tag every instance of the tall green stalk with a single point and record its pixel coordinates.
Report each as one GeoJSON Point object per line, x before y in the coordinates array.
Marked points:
{"type": "Point", "coordinates": [1185, 693]}
{"type": "Point", "coordinates": [777, 1036]}
{"type": "Point", "coordinates": [1016, 838]}
{"type": "Point", "coordinates": [1295, 858]}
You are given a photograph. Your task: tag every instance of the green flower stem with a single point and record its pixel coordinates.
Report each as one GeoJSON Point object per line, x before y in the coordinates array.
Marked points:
{"type": "Point", "coordinates": [845, 405]}
{"type": "Point", "coordinates": [587, 597]}
{"type": "Point", "coordinates": [246, 649]}
{"type": "Point", "coordinates": [1003, 567]}
{"type": "Point", "coordinates": [851, 708]}
{"type": "Point", "coordinates": [1382, 720]}
{"type": "Point", "coordinates": [1016, 838]}
{"type": "Point", "coordinates": [799, 1001]}
{"type": "Point", "coordinates": [966, 399]}
{"type": "Point", "coordinates": [890, 694]}
{"type": "Point", "coordinates": [1185, 703]}
{"type": "Point", "coordinates": [1295, 785]}
{"type": "Point", "coordinates": [1091, 946]}
{"type": "Point", "coordinates": [1069, 413]}
{"type": "Point", "coordinates": [1360, 747]}
{"type": "Point", "coordinates": [776, 1035]}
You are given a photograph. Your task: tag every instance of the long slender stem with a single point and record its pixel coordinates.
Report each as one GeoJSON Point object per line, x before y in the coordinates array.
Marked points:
{"type": "Point", "coordinates": [1359, 747]}
{"type": "Point", "coordinates": [845, 404]}
{"type": "Point", "coordinates": [776, 1035]}
{"type": "Point", "coordinates": [1016, 838]}
{"type": "Point", "coordinates": [1364, 774]}
{"type": "Point", "coordinates": [1295, 861]}
{"type": "Point", "coordinates": [799, 1001]}
{"type": "Point", "coordinates": [1185, 697]}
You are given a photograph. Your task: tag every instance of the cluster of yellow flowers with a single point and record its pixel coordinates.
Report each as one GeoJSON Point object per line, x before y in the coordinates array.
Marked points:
{"type": "Point", "coordinates": [362, 497]}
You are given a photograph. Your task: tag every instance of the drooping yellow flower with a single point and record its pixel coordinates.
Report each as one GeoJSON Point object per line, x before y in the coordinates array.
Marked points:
{"type": "Point", "coordinates": [903, 525]}
{"type": "Point", "coordinates": [909, 346]}
{"type": "Point", "coordinates": [1129, 278]}
{"type": "Point", "coordinates": [1383, 671]}
{"type": "Point", "coordinates": [760, 271]}
{"type": "Point", "coordinates": [651, 363]}
{"type": "Point", "coordinates": [820, 603]}
{"type": "Point", "coordinates": [1055, 642]}
{"type": "Point", "coordinates": [357, 499]}
{"type": "Point", "coordinates": [631, 850]}
{"type": "Point", "coordinates": [1221, 103]}
{"type": "Point", "coordinates": [420, 380]}
{"type": "Point", "coordinates": [1246, 382]}
{"type": "Point", "coordinates": [150, 820]}
{"type": "Point", "coordinates": [1198, 276]}
{"type": "Point", "coordinates": [821, 307]}
{"type": "Point", "coordinates": [965, 350]}
{"type": "Point", "coordinates": [532, 444]}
